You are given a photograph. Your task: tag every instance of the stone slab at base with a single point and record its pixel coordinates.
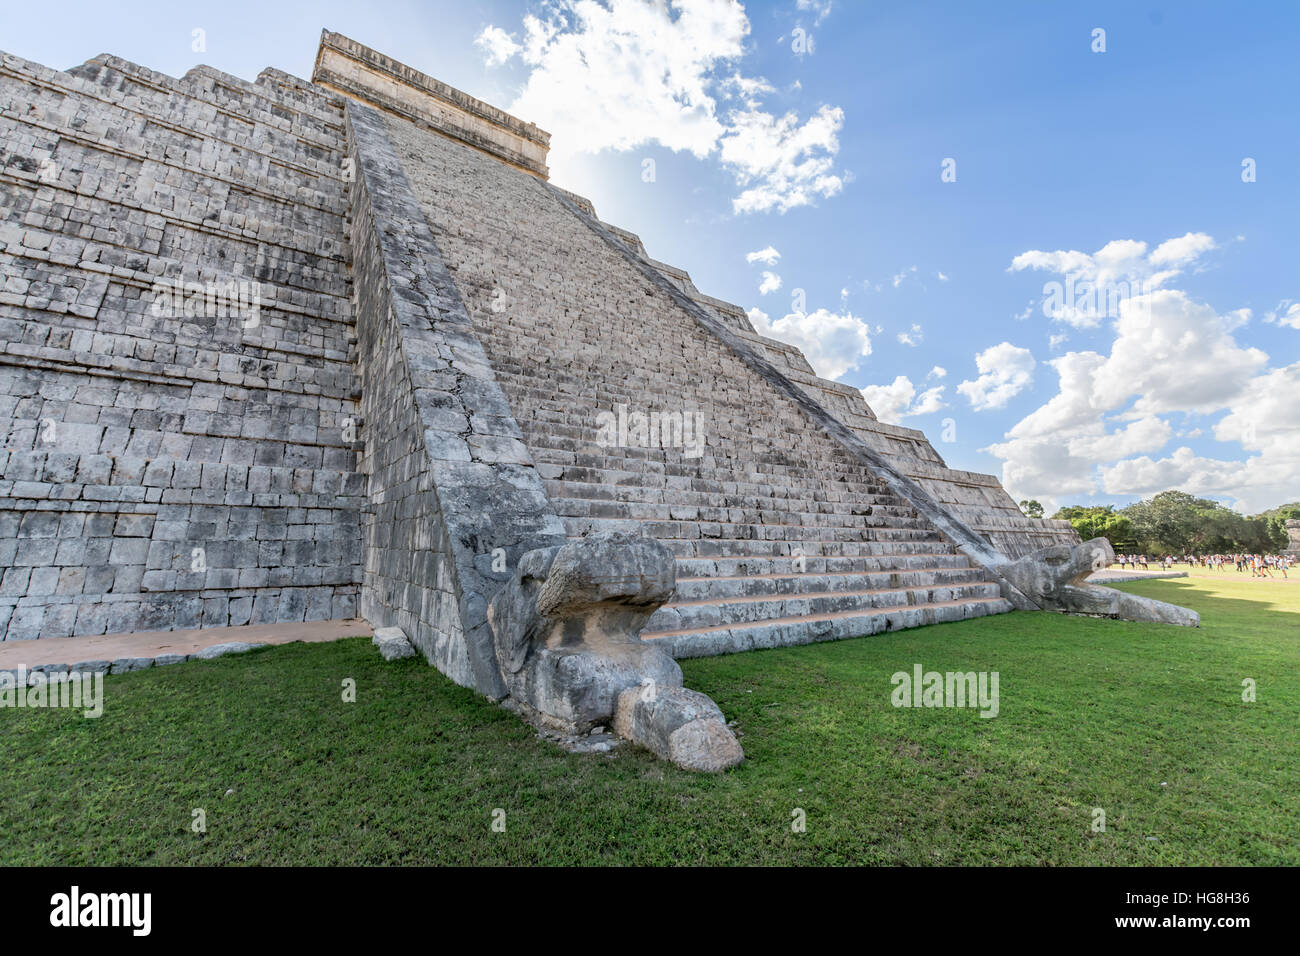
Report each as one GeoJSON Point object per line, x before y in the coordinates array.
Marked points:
{"type": "Point", "coordinates": [1115, 577]}
{"type": "Point", "coordinates": [392, 643]}
{"type": "Point", "coordinates": [155, 644]}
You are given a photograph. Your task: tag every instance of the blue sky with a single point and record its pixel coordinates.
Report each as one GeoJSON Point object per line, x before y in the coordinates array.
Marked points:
{"type": "Point", "coordinates": [832, 156]}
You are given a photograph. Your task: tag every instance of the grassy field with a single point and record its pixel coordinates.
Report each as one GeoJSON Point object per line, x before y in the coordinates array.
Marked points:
{"type": "Point", "coordinates": [1145, 722]}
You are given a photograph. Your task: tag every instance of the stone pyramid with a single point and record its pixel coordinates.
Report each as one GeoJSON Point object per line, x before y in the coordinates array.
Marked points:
{"type": "Point", "coordinates": [286, 351]}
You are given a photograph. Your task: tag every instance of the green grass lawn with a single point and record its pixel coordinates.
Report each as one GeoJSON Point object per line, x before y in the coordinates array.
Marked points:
{"type": "Point", "coordinates": [1143, 721]}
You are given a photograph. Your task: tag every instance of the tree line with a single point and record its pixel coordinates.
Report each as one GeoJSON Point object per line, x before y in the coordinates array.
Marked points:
{"type": "Point", "coordinates": [1174, 522]}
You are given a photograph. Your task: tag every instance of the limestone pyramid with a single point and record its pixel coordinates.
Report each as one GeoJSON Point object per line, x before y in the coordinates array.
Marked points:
{"type": "Point", "coordinates": [450, 363]}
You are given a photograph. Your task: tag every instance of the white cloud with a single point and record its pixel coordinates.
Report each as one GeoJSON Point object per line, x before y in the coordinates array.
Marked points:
{"type": "Point", "coordinates": [622, 74]}
{"type": "Point", "coordinates": [938, 372]}
{"type": "Point", "coordinates": [898, 279]}
{"type": "Point", "coordinates": [1096, 286]}
{"type": "Point", "coordinates": [1263, 419]}
{"type": "Point", "coordinates": [1005, 370]}
{"type": "Point", "coordinates": [822, 8]}
{"type": "Point", "coordinates": [771, 282]}
{"type": "Point", "coordinates": [1183, 250]}
{"type": "Point", "coordinates": [834, 344]}
{"type": "Point", "coordinates": [1172, 355]}
{"type": "Point", "coordinates": [497, 45]}
{"type": "Point", "coordinates": [780, 163]}
{"type": "Point", "coordinates": [1287, 314]}
{"type": "Point", "coordinates": [912, 337]}
{"type": "Point", "coordinates": [894, 402]}
{"type": "Point", "coordinates": [748, 88]}
{"type": "Point", "coordinates": [942, 277]}
{"type": "Point", "coordinates": [1138, 436]}
{"type": "Point", "coordinates": [929, 401]}
{"type": "Point", "coordinates": [768, 256]}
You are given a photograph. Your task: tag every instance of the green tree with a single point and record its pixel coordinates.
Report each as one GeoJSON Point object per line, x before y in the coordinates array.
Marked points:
{"type": "Point", "coordinates": [1100, 521]}
{"type": "Point", "coordinates": [1031, 508]}
{"type": "Point", "coordinates": [1275, 523]}
{"type": "Point", "coordinates": [1174, 522]}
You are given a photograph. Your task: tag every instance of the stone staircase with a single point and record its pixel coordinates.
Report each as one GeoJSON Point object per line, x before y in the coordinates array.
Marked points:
{"type": "Point", "coordinates": [768, 554]}
{"type": "Point", "coordinates": [781, 535]}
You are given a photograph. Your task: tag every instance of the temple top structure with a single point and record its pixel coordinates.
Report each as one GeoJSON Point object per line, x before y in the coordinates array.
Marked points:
{"type": "Point", "coordinates": [355, 70]}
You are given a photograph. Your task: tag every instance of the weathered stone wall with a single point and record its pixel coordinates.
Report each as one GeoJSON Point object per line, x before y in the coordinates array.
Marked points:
{"type": "Point", "coordinates": [132, 436]}
{"type": "Point", "coordinates": [456, 499]}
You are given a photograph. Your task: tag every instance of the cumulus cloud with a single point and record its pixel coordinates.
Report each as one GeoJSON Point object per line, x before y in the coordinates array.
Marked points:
{"type": "Point", "coordinates": [1005, 370]}
{"type": "Point", "coordinates": [898, 400]}
{"type": "Point", "coordinates": [938, 372]}
{"type": "Point", "coordinates": [620, 74]}
{"type": "Point", "coordinates": [1095, 287]}
{"type": "Point", "coordinates": [748, 88]}
{"type": "Point", "coordinates": [781, 163]}
{"type": "Point", "coordinates": [833, 343]}
{"type": "Point", "coordinates": [1263, 420]}
{"type": "Point", "coordinates": [1174, 354]}
{"type": "Point", "coordinates": [1114, 412]}
{"type": "Point", "coordinates": [497, 45]}
{"type": "Point", "coordinates": [771, 282]}
{"type": "Point", "coordinates": [912, 337]}
{"type": "Point", "coordinates": [768, 256]}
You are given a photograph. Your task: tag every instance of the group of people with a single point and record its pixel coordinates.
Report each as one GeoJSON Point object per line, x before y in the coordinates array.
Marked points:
{"type": "Point", "coordinates": [1259, 565]}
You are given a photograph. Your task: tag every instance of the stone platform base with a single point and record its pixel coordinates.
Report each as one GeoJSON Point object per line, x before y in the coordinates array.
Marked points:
{"type": "Point", "coordinates": [1115, 577]}
{"type": "Point", "coordinates": [140, 649]}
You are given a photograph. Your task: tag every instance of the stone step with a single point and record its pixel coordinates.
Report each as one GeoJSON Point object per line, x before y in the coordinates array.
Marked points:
{"type": "Point", "coordinates": [587, 439]}
{"type": "Point", "coordinates": [696, 530]}
{"type": "Point", "coordinates": [717, 587]}
{"type": "Point", "coordinates": [757, 564]}
{"type": "Point", "coordinates": [248, 172]}
{"type": "Point", "coordinates": [756, 609]}
{"type": "Point", "coordinates": [790, 514]}
{"type": "Point", "coordinates": [752, 547]}
{"type": "Point", "coordinates": [265, 249]}
{"type": "Point", "coordinates": [723, 481]}
{"type": "Point", "coordinates": [549, 447]}
{"type": "Point", "coordinates": [790, 631]}
{"type": "Point", "coordinates": [688, 497]}
{"type": "Point", "coordinates": [317, 123]}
